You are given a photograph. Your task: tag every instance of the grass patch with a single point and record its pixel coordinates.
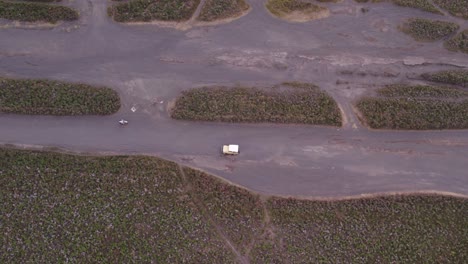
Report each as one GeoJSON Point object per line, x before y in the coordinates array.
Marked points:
{"type": "Point", "coordinates": [150, 10]}
{"type": "Point", "coordinates": [416, 107]}
{"type": "Point", "coordinates": [46, 97]}
{"type": "Point", "coordinates": [457, 8]}
{"type": "Point", "coordinates": [454, 77]}
{"type": "Point", "coordinates": [422, 91]}
{"type": "Point", "coordinates": [295, 10]}
{"type": "Point", "coordinates": [286, 103]}
{"type": "Point", "coordinates": [220, 9]}
{"type": "Point", "coordinates": [35, 12]}
{"type": "Point", "coordinates": [58, 208]}
{"type": "Point", "coordinates": [459, 42]}
{"type": "Point", "coordinates": [392, 229]}
{"type": "Point", "coordinates": [41, 1]}
{"type": "Point", "coordinates": [237, 211]}
{"type": "Point", "coordinates": [428, 30]}
{"type": "Point", "coordinates": [424, 5]}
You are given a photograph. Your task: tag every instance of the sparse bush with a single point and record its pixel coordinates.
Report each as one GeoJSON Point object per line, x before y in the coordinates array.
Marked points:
{"type": "Point", "coordinates": [125, 209]}
{"type": "Point", "coordinates": [281, 8]}
{"type": "Point", "coordinates": [457, 8]}
{"type": "Point", "coordinates": [219, 9]}
{"type": "Point", "coordinates": [389, 229]}
{"type": "Point", "coordinates": [45, 97]}
{"type": "Point", "coordinates": [288, 103]}
{"type": "Point", "coordinates": [424, 5]}
{"type": "Point", "coordinates": [34, 12]}
{"type": "Point", "coordinates": [149, 10]}
{"type": "Point", "coordinates": [455, 77]}
{"type": "Point", "coordinates": [459, 42]}
{"type": "Point", "coordinates": [61, 208]}
{"type": "Point", "coordinates": [237, 211]}
{"type": "Point", "coordinates": [416, 107]}
{"type": "Point", "coordinates": [422, 91]}
{"type": "Point", "coordinates": [428, 30]}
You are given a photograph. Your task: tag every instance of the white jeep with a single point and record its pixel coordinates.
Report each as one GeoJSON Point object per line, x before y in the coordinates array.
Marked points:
{"type": "Point", "coordinates": [230, 149]}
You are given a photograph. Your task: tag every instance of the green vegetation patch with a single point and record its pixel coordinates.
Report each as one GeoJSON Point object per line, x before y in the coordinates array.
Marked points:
{"type": "Point", "coordinates": [284, 8]}
{"type": "Point", "coordinates": [455, 77]}
{"type": "Point", "coordinates": [46, 97]}
{"type": "Point", "coordinates": [237, 211]}
{"type": "Point", "coordinates": [34, 12]}
{"type": "Point", "coordinates": [422, 91]}
{"type": "Point", "coordinates": [62, 208]}
{"type": "Point", "coordinates": [220, 9]}
{"type": "Point", "coordinates": [150, 10]}
{"type": "Point", "coordinates": [41, 1]}
{"type": "Point", "coordinates": [416, 107]}
{"type": "Point", "coordinates": [286, 103]}
{"type": "Point", "coordinates": [392, 229]}
{"type": "Point", "coordinates": [457, 8]}
{"type": "Point", "coordinates": [124, 209]}
{"type": "Point", "coordinates": [459, 42]}
{"type": "Point", "coordinates": [424, 5]}
{"type": "Point", "coordinates": [428, 30]}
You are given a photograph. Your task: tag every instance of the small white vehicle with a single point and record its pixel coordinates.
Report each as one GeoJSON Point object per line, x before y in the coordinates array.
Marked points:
{"type": "Point", "coordinates": [123, 122]}
{"type": "Point", "coordinates": [230, 149]}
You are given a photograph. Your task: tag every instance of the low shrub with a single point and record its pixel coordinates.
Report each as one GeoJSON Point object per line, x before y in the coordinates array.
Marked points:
{"type": "Point", "coordinates": [61, 208]}
{"type": "Point", "coordinates": [416, 107]}
{"type": "Point", "coordinates": [457, 8]}
{"type": "Point", "coordinates": [458, 42]}
{"type": "Point", "coordinates": [237, 211]}
{"type": "Point", "coordinates": [46, 97]}
{"type": "Point", "coordinates": [422, 91]}
{"type": "Point", "coordinates": [455, 77]}
{"type": "Point", "coordinates": [424, 5]}
{"type": "Point", "coordinates": [428, 30]}
{"type": "Point", "coordinates": [287, 103]}
{"type": "Point", "coordinates": [124, 209]}
{"type": "Point", "coordinates": [149, 10]}
{"type": "Point", "coordinates": [34, 12]}
{"type": "Point", "coordinates": [219, 9]}
{"type": "Point", "coordinates": [281, 8]}
{"type": "Point", "coordinates": [389, 229]}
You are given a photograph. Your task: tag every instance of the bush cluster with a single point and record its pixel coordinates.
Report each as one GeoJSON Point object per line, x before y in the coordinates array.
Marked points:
{"type": "Point", "coordinates": [124, 209]}
{"type": "Point", "coordinates": [424, 5]}
{"type": "Point", "coordinates": [455, 77]}
{"type": "Point", "coordinates": [459, 42]}
{"type": "Point", "coordinates": [34, 12]}
{"type": "Point", "coordinates": [60, 208]}
{"type": "Point", "coordinates": [421, 91]}
{"type": "Point", "coordinates": [237, 211]}
{"type": "Point", "coordinates": [416, 107]}
{"type": "Point", "coordinates": [149, 10]}
{"type": "Point", "coordinates": [391, 229]}
{"type": "Point", "coordinates": [219, 9]}
{"type": "Point", "coordinates": [45, 97]}
{"type": "Point", "coordinates": [428, 30]}
{"type": "Point", "coordinates": [297, 103]}
{"type": "Point", "coordinates": [457, 8]}
{"type": "Point", "coordinates": [284, 7]}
